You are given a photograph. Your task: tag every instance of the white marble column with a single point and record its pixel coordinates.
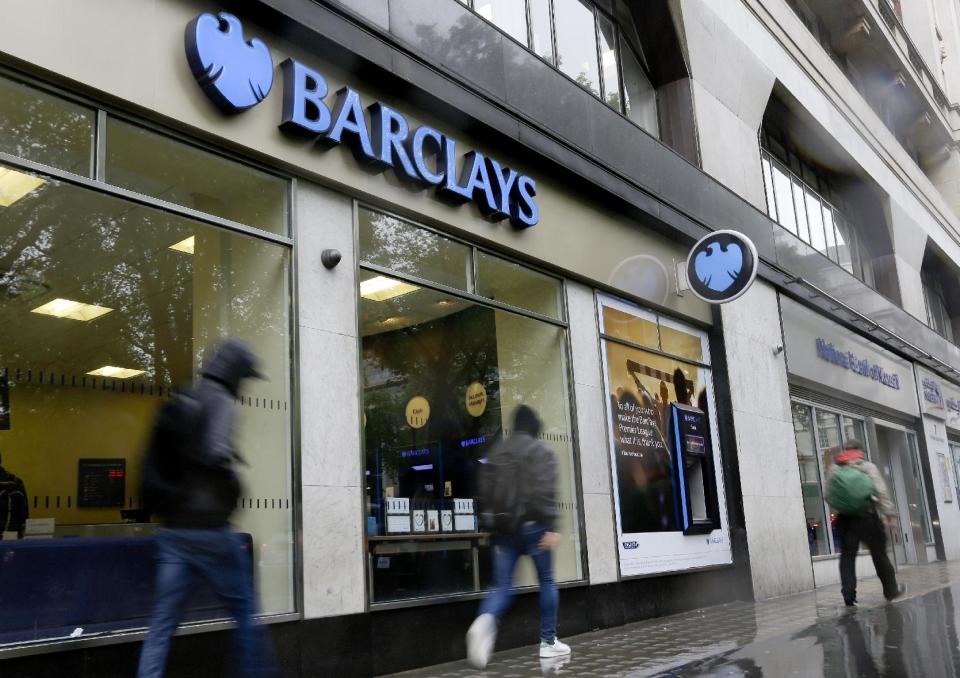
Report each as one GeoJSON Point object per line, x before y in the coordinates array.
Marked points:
{"type": "Point", "coordinates": [592, 431]}
{"type": "Point", "coordinates": [331, 473]}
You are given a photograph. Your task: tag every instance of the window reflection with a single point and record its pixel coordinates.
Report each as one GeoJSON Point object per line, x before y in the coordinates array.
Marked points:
{"type": "Point", "coordinates": [150, 163]}
{"type": "Point", "coordinates": [508, 15]}
{"type": "Point", "coordinates": [442, 375]}
{"type": "Point", "coordinates": [45, 128]}
{"type": "Point", "coordinates": [161, 309]}
{"type": "Point", "coordinates": [577, 42]}
{"type": "Point", "coordinates": [813, 504]}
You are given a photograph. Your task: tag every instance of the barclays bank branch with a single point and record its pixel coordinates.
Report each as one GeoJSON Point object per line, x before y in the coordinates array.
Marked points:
{"type": "Point", "coordinates": [412, 257]}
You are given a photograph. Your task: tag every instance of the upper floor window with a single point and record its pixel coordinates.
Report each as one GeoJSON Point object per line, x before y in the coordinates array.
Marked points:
{"type": "Point", "coordinates": [598, 53]}
{"type": "Point", "coordinates": [802, 198]}
{"type": "Point", "coordinates": [940, 280]}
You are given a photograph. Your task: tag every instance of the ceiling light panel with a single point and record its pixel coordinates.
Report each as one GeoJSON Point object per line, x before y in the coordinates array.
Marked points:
{"type": "Point", "coordinates": [15, 185]}
{"type": "Point", "coordinates": [73, 310]}
{"type": "Point", "coordinates": [115, 372]}
{"type": "Point", "coordinates": [186, 245]}
{"type": "Point", "coordinates": [381, 288]}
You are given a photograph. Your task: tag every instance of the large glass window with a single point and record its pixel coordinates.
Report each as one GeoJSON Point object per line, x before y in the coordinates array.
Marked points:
{"type": "Point", "coordinates": [577, 42]}
{"type": "Point", "coordinates": [509, 15]}
{"type": "Point", "coordinates": [585, 43]}
{"type": "Point", "coordinates": [639, 95]}
{"type": "Point", "coordinates": [811, 488]}
{"type": "Point", "coordinates": [108, 305]}
{"type": "Point", "coordinates": [45, 128]}
{"type": "Point", "coordinates": [442, 376]}
{"type": "Point", "coordinates": [796, 205]}
{"type": "Point", "coordinates": [156, 165]}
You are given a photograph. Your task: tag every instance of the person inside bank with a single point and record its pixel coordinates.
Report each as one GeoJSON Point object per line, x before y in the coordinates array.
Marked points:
{"type": "Point", "coordinates": [14, 507]}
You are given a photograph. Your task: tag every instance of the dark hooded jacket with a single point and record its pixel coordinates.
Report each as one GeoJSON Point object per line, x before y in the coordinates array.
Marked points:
{"type": "Point", "coordinates": [539, 468]}
{"type": "Point", "coordinates": [210, 484]}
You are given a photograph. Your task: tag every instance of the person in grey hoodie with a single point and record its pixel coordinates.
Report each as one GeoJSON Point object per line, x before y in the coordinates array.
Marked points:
{"type": "Point", "coordinates": [537, 537]}
{"type": "Point", "coordinates": [196, 541]}
{"type": "Point", "coordinates": [868, 528]}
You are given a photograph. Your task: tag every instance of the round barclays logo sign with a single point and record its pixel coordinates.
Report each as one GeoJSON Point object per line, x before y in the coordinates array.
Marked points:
{"type": "Point", "coordinates": [235, 73]}
{"type": "Point", "coordinates": [722, 266]}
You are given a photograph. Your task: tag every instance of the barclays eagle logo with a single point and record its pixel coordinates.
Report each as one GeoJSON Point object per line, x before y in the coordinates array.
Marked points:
{"type": "Point", "coordinates": [236, 74]}
{"type": "Point", "coordinates": [719, 266]}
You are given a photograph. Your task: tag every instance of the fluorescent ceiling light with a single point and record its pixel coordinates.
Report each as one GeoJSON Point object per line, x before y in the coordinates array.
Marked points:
{"type": "Point", "coordinates": [115, 372]}
{"type": "Point", "coordinates": [15, 185]}
{"type": "Point", "coordinates": [185, 245]}
{"type": "Point", "coordinates": [381, 288]}
{"type": "Point", "coordinates": [74, 310]}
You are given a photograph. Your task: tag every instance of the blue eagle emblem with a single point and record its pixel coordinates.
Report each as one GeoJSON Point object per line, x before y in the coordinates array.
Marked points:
{"type": "Point", "coordinates": [719, 266]}
{"type": "Point", "coordinates": [235, 73]}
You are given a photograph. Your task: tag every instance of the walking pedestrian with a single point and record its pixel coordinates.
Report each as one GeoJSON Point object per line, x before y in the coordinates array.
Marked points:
{"type": "Point", "coordinates": [191, 482]}
{"type": "Point", "coordinates": [859, 495]}
{"type": "Point", "coordinates": [518, 489]}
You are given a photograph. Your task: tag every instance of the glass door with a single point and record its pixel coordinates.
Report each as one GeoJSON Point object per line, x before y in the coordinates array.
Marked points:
{"type": "Point", "coordinates": [890, 450]}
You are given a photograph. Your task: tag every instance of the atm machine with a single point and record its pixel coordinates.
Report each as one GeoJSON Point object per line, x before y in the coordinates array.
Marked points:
{"type": "Point", "coordinates": [694, 475]}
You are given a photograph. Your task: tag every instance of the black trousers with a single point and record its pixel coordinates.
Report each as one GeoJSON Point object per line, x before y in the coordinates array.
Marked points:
{"type": "Point", "coordinates": [868, 529]}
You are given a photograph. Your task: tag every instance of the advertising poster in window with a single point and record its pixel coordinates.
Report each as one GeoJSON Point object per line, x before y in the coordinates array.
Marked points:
{"type": "Point", "coordinates": [641, 386]}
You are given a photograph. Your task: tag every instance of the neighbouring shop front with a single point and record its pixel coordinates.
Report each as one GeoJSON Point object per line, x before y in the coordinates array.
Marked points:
{"type": "Point", "coordinates": [940, 404]}
{"type": "Point", "coordinates": [402, 311]}
{"type": "Point", "coordinates": [843, 386]}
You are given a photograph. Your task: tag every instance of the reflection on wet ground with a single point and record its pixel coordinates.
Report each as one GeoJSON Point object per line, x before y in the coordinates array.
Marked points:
{"type": "Point", "coordinates": [810, 634]}
{"type": "Point", "coordinates": [914, 638]}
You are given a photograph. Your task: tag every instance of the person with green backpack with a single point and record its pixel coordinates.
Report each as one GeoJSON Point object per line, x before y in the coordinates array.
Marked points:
{"type": "Point", "coordinates": [858, 494]}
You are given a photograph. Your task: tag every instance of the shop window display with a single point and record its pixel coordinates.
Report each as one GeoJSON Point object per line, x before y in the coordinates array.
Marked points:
{"type": "Point", "coordinates": [442, 374]}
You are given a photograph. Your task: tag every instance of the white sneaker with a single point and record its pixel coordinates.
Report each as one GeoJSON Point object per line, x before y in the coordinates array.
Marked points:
{"type": "Point", "coordinates": [480, 639]}
{"type": "Point", "coordinates": [554, 649]}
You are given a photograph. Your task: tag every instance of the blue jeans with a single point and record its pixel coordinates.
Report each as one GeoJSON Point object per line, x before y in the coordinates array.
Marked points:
{"type": "Point", "coordinates": [506, 552]}
{"type": "Point", "coordinates": [216, 556]}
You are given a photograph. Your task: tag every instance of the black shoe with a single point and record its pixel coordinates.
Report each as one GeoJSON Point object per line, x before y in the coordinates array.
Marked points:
{"type": "Point", "coordinates": [850, 603]}
{"type": "Point", "coordinates": [901, 589]}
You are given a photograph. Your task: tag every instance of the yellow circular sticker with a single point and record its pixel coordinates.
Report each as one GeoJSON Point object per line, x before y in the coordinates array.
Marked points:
{"type": "Point", "coordinates": [476, 399]}
{"type": "Point", "coordinates": [418, 411]}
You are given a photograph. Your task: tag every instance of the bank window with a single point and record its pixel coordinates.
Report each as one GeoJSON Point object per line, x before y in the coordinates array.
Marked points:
{"type": "Point", "coordinates": [510, 283]}
{"type": "Point", "coordinates": [156, 165]}
{"type": "Point", "coordinates": [509, 15]}
{"type": "Point", "coordinates": [398, 245]}
{"type": "Point", "coordinates": [111, 305]}
{"type": "Point", "coordinates": [42, 127]}
{"type": "Point", "coordinates": [442, 375]}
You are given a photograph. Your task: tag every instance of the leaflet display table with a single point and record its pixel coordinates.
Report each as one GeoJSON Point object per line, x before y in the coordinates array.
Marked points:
{"type": "Point", "coordinates": [394, 544]}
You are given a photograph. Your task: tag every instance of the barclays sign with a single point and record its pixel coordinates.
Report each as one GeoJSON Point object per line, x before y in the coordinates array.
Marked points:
{"type": "Point", "coordinates": [238, 74]}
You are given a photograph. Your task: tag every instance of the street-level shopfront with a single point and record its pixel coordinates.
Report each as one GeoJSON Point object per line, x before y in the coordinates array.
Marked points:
{"type": "Point", "coordinates": [140, 229]}
{"type": "Point", "coordinates": [940, 404]}
{"type": "Point", "coordinates": [844, 386]}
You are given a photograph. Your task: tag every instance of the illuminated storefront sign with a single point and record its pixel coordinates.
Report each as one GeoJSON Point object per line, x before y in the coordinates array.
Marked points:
{"type": "Point", "coordinates": [238, 74]}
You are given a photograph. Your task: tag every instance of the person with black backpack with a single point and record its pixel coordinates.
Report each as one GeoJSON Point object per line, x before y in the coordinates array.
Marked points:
{"type": "Point", "coordinates": [518, 506]}
{"type": "Point", "coordinates": [857, 492]}
{"type": "Point", "coordinates": [14, 507]}
{"type": "Point", "coordinates": [191, 483]}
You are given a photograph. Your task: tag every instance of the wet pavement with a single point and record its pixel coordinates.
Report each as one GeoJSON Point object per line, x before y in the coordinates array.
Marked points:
{"type": "Point", "coordinates": [810, 635]}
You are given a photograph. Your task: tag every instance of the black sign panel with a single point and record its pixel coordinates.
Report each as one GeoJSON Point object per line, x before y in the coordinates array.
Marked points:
{"type": "Point", "coordinates": [101, 482]}
{"type": "Point", "coordinates": [722, 266]}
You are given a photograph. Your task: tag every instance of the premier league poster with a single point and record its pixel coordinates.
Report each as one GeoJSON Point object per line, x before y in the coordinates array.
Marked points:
{"type": "Point", "coordinates": [641, 386]}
